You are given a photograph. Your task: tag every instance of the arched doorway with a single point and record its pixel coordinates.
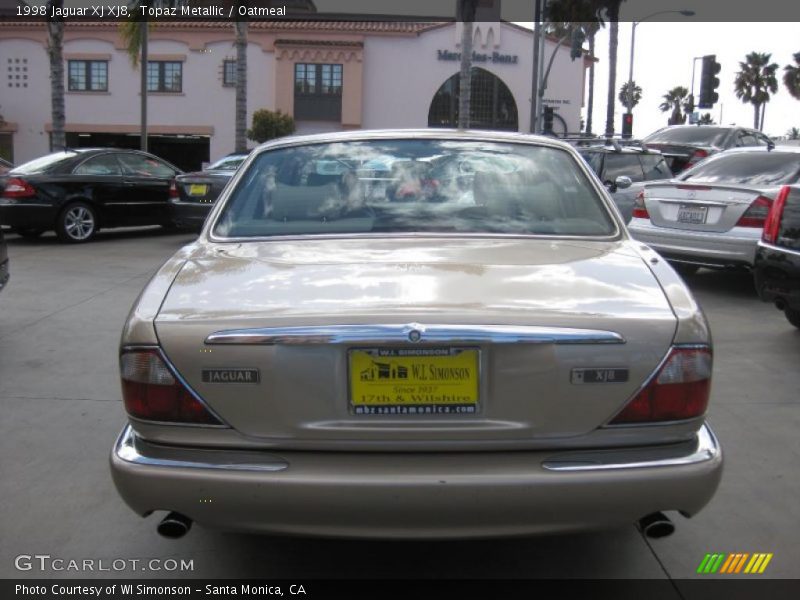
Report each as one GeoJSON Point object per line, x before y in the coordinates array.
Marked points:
{"type": "Point", "coordinates": [492, 104]}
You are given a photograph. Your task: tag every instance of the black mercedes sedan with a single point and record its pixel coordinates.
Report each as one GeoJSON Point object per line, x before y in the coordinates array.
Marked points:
{"type": "Point", "coordinates": [3, 262]}
{"type": "Point", "coordinates": [77, 192]}
{"type": "Point", "coordinates": [193, 194]}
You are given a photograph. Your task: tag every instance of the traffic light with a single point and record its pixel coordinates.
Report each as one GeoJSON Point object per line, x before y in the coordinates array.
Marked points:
{"type": "Point", "coordinates": [709, 82]}
{"type": "Point", "coordinates": [578, 37]}
{"type": "Point", "coordinates": [547, 119]}
{"type": "Point", "coordinates": [627, 125]}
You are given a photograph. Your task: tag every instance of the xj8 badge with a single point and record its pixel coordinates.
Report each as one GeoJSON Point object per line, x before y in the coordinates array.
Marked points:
{"type": "Point", "coordinates": [603, 375]}
{"type": "Point", "coordinates": [233, 375]}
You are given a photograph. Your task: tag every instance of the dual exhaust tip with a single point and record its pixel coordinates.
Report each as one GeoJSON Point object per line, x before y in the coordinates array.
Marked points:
{"type": "Point", "coordinates": [656, 525]}
{"type": "Point", "coordinates": [174, 526]}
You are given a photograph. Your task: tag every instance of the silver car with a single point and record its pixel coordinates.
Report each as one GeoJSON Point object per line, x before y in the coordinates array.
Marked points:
{"type": "Point", "coordinates": [713, 214]}
{"type": "Point", "coordinates": [466, 344]}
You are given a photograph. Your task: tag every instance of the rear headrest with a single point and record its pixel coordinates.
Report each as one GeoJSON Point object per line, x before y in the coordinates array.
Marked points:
{"type": "Point", "coordinates": [305, 203]}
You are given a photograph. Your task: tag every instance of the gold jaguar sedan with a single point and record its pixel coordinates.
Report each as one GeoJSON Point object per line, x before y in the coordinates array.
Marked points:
{"type": "Point", "coordinates": [415, 334]}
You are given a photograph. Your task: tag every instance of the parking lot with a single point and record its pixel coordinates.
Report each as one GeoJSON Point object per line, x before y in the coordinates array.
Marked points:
{"type": "Point", "coordinates": [60, 320]}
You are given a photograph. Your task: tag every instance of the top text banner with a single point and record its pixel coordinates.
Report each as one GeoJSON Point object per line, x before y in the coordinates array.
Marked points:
{"type": "Point", "coordinates": [381, 10]}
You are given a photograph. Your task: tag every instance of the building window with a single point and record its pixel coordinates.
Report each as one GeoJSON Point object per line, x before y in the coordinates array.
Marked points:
{"type": "Point", "coordinates": [88, 76]}
{"type": "Point", "coordinates": [492, 105]}
{"type": "Point", "coordinates": [317, 92]}
{"type": "Point", "coordinates": [17, 72]}
{"type": "Point", "coordinates": [164, 76]}
{"type": "Point", "coordinates": [229, 72]}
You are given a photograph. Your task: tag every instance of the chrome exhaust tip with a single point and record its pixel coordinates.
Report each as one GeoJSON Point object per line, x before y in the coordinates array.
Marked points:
{"type": "Point", "coordinates": [656, 525]}
{"type": "Point", "coordinates": [174, 526]}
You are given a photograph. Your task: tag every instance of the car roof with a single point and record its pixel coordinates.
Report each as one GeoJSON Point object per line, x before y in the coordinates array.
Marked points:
{"type": "Point", "coordinates": [409, 134]}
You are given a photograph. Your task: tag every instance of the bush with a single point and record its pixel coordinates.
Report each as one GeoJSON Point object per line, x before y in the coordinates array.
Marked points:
{"type": "Point", "coordinates": [268, 125]}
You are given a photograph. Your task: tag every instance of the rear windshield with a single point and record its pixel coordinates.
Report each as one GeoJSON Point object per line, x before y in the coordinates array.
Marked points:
{"type": "Point", "coordinates": [753, 168]}
{"type": "Point", "coordinates": [44, 163]}
{"type": "Point", "coordinates": [702, 135]}
{"type": "Point", "coordinates": [398, 186]}
{"type": "Point", "coordinates": [229, 163]}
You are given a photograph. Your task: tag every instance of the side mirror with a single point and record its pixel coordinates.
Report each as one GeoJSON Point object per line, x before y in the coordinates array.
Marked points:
{"type": "Point", "coordinates": [623, 182]}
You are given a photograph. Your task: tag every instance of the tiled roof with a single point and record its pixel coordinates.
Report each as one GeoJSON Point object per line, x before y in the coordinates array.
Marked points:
{"type": "Point", "coordinates": [401, 27]}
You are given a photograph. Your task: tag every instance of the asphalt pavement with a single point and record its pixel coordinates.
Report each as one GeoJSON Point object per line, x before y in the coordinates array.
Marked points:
{"type": "Point", "coordinates": [60, 321]}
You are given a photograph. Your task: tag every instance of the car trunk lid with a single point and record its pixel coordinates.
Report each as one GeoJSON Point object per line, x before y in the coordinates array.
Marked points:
{"type": "Point", "coordinates": [597, 325]}
{"type": "Point", "coordinates": [698, 207]}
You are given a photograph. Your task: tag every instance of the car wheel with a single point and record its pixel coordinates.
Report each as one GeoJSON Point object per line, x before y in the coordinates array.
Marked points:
{"type": "Point", "coordinates": [685, 269]}
{"type": "Point", "coordinates": [793, 316]}
{"type": "Point", "coordinates": [77, 223]}
{"type": "Point", "coordinates": [27, 233]}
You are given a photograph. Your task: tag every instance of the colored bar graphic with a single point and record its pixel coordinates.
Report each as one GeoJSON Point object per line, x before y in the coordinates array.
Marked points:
{"type": "Point", "coordinates": [726, 567]}
{"type": "Point", "coordinates": [734, 563]}
{"type": "Point", "coordinates": [704, 563]}
{"type": "Point", "coordinates": [765, 563]}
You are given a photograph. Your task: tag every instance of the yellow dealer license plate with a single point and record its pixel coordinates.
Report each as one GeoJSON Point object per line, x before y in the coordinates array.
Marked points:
{"type": "Point", "coordinates": [413, 381]}
{"type": "Point", "coordinates": [197, 189]}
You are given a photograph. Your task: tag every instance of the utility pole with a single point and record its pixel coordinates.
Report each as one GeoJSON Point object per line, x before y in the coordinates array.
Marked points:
{"type": "Point", "coordinates": [143, 65]}
{"type": "Point", "coordinates": [537, 34]}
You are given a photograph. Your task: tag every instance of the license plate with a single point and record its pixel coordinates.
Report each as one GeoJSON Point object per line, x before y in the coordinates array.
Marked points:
{"type": "Point", "coordinates": [197, 189]}
{"type": "Point", "coordinates": [692, 214]}
{"type": "Point", "coordinates": [413, 381]}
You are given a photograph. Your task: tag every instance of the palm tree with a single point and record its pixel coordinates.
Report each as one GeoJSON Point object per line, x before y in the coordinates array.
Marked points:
{"type": "Point", "coordinates": [793, 133]}
{"type": "Point", "coordinates": [707, 119]}
{"type": "Point", "coordinates": [564, 16]}
{"type": "Point", "coordinates": [674, 100]}
{"type": "Point", "coordinates": [240, 143]}
{"type": "Point", "coordinates": [630, 95]}
{"type": "Point", "coordinates": [55, 51]}
{"type": "Point", "coordinates": [791, 77]}
{"type": "Point", "coordinates": [755, 81]}
{"type": "Point", "coordinates": [467, 10]}
{"type": "Point", "coordinates": [134, 32]}
{"type": "Point", "coordinates": [612, 11]}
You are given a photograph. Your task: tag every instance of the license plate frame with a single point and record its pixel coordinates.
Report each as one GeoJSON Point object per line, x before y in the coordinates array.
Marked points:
{"type": "Point", "coordinates": [387, 389]}
{"type": "Point", "coordinates": [197, 189]}
{"type": "Point", "coordinates": [692, 214]}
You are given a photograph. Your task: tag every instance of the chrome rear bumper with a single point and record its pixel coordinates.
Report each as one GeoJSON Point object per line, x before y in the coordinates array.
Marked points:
{"type": "Point", "coordinates": [416, 495]}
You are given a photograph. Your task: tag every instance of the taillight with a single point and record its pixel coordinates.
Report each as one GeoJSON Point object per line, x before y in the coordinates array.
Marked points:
{"type": "Point", "coordinates": [18, 188]}
{"type": "Point", "coordinates": [756, 213]}
{"type": "Point", "coordinates": [639, 209]}
{"type": "Point", "coordinates": [773, 223]}
{"type": "Point", "coordinates": [696, 158]}
{"type": "Point", "coordinates": [678, 391]}
{"type": "Point", "coordinates": [151, 391]}
{"type": "Point", "coordinates": [173, 190]}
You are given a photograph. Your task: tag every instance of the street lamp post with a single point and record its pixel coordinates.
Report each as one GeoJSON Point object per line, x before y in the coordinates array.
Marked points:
{"type": "Point", "coordinates": [685, 13]}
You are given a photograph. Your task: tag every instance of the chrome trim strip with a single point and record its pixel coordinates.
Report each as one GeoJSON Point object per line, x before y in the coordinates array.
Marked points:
{"type": "Point", "coordinates": [399, 333]}
{"type": "Point", "coordinates": [10, 202]}
{"type": "Point", "coordinates": [704, 449]}
{"type": "Point", "coordinates": [773, 247]}
{"type": "Point", "coordinates": [133, 449]}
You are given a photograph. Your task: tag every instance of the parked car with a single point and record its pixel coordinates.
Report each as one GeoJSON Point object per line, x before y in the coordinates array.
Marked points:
{"type": "Point", "coordinates": [5, 166]}
{"type": "Point", "coordinates": [4, 275]}
{"type": "Point", "coordinates": [193, 194]}
{"type": "Point", "coordinates": [77, 192]}
{"type": "Point", "coordinates": [712, 215]}
{"type": "Point", "coordinates": [623, 169]}
{"type": "Point", "coordinates": [336, 357]}
{"type": "Point", "coordinates": [686, 145]}
{"type": "Point", "coordinates": [777, 264]}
